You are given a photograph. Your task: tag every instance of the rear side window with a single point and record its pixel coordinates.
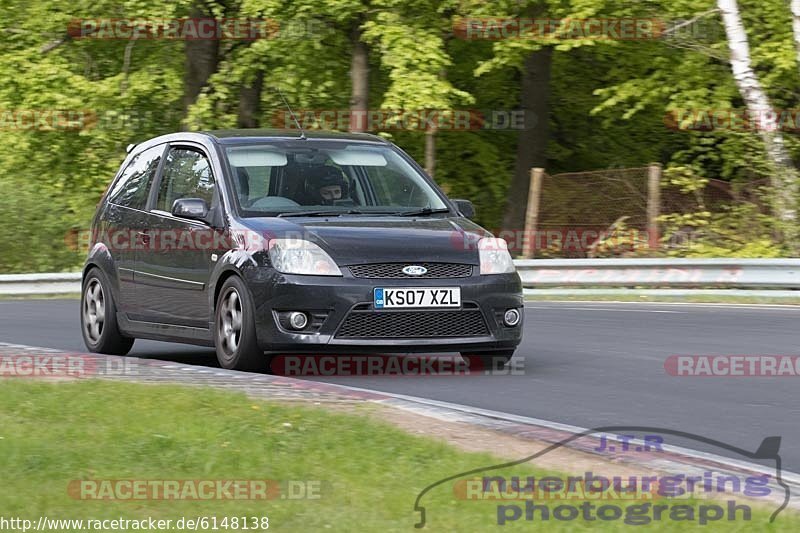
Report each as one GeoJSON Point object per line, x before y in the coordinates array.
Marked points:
{"type": "Point", "coordinates": [131, 190]}
{"type": "Point", "coordinates": [187, 174]}
{"type": "Point", "coordinates": [251, 183]}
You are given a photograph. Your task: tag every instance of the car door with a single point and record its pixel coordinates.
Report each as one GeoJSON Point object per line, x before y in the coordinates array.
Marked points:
{"type": "Point", "coordinates": [172, 274]}
{"type": "Point", "coordinates": [125, 219]}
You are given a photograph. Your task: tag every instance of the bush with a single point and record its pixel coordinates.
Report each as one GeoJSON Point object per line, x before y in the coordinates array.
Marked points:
{"type": "Point", "coordinates": [35, 226]}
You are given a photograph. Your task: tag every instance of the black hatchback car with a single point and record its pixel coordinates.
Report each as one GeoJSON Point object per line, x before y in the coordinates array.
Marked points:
{"type": "Point", "coordinates": [261, 242]}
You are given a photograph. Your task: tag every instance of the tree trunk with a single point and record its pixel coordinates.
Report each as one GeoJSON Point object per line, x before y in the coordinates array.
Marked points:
{"type": "Point", "coordinates": [430, 151]}
{"type": "Point", "coordinates": [250, 103]}
{"type": "Point", "coordinates": [359, 78]}
{"type": "Point", "coordinates": [784, 174]}
{"type": "Point", "coordinates": [430, 141]}
{"type": "Point", "coordinates": [796, 27]}
{"type": "Point", "coordinates": [201, 60]}
{"type": "Point", "coordinates": [532, 144]}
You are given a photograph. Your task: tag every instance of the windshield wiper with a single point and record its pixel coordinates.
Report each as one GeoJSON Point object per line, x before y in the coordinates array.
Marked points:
{"type": "Point", "coordinates": [329, 213]}
{"type": "Point", "coordinates": [423, 211]}
{"type": "Point", "coordinates": [332, 213]}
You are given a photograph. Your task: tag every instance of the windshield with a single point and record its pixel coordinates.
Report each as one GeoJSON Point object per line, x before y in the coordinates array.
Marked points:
{"type": "Point", "coordinates": [293, 178]}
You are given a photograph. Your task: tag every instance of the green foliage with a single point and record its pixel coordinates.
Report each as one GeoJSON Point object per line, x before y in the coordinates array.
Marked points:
{"type": "Point", "coordinates": [32, 223]}
{"type": "Point", "coordinates": [611, 101]}
{"type": "Point", "coordinates": [736, 231]}
{"type": "Point", "coordinates": [733, 230]}
{"type": "Point", "coordinates": [51, 177]}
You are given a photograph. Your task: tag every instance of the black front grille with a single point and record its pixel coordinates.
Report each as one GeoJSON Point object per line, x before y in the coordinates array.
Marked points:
{"type": "Point", "coordinates": [395, 271]}
{"type": "Point", "coordinates": [413, 324]}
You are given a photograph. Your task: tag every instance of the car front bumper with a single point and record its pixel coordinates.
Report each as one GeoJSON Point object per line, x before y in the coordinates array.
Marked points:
{"type": "Point", "coordinates": [329, 300]}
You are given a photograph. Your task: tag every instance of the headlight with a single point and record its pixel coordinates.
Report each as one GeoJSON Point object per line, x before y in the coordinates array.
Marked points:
{"type": "Point", "coordinates": [494, 256]}
{"type": "Point", "coordinates": [296, 256]}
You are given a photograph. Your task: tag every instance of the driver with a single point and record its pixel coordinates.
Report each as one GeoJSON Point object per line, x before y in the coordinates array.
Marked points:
{"type": "Point", "coordinates": [325, 185]}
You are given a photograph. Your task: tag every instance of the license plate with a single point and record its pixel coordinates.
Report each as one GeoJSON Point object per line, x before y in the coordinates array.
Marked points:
{"type": "Point", "coordinates": [397, 297]}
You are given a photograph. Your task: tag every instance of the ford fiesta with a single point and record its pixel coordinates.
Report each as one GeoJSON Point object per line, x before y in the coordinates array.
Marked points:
{"type": "Point", "coordinates": [262, 242]}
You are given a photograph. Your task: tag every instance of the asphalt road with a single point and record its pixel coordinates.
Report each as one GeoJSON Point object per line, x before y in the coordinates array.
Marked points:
{"type": "Point", "coordinates": [585, 364]}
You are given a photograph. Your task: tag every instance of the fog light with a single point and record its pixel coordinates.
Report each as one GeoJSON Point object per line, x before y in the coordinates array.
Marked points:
{"type": "Point", "coordinates": [511, 318]}
{"type": "Point", "coordinates": [298, 320]}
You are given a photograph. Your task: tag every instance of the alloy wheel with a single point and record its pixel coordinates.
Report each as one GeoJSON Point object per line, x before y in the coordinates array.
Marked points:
{"type": "Point", "coordinates": [94, 310]}
{"type": "Point", "coordinates": [230, 321]}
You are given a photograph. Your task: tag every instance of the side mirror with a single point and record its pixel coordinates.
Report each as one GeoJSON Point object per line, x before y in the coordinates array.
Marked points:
{"type": "Point", "coordinates": [191, 208]}
{"type": "Point", "coordinates": [465, 207]}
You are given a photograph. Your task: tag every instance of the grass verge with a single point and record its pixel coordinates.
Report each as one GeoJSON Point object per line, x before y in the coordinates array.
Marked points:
{"type": "Point", "coordinates": [370, 473]}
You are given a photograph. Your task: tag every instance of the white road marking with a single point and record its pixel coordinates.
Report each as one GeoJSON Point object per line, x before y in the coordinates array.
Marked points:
{"type": "Point", "coordinates": [592, 303]}
{"type": "Point", "coordinates": [606, 309]}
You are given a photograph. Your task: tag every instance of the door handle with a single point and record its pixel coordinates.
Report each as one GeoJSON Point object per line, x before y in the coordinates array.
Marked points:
{"type": "Point", "coordinates": [143, 237]}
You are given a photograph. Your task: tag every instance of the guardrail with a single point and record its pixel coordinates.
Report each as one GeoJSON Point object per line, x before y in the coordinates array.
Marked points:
{"type": "Point", "coordinates": [569, 275]}
{"type": "Point", "coordinates": [20, 284]}
{"type": "Point", "coordinates": [665, 273]}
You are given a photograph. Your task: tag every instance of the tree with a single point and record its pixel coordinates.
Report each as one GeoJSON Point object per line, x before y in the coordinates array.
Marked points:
{"type": "Point", "coordinates": [611, 103]}
{"type": "Point", "coordinates": [359, 80]}
{"type": "Point", "coordinates": [533, 140]}
{"type": "Point", "coordinates": [796, 26]}
{"type": "Point", "coordinates": [202, 59]}
{"type": "Point", "coordinates": [532, 56]}
{"type": "Point", "coordinates": [410, 38]}
{"type": "Point", "coordinates": [784, 176]}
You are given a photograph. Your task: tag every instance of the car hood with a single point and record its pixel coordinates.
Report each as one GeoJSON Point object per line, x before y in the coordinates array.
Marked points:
{"type": "Point", "coordinates": [362, 240]}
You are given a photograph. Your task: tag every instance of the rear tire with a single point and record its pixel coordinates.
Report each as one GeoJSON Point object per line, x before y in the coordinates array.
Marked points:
{"type": "Point", "coordinates": [99, 325]}
{"type": "Point", "coordinates": [488, 360]}
{"type": "Point", "coordinates": [235, 329]}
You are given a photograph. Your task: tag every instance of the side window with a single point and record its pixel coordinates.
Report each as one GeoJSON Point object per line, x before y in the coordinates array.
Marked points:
{"type": "Point", "coordinates": [187, 174]}
{"type": "Point", "coordinates": [251, 183]}
{"type": "Point", "coordinates": [132, 188]}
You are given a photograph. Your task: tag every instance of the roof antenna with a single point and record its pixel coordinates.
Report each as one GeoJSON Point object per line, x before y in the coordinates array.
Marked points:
{"type": "Point", "coordinates": [294, 118]}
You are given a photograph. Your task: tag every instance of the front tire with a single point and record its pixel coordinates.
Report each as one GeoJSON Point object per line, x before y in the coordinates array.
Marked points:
{"type": "Point", "coordinates": [99, 325]}
{"type": "Point", "coordinates": [235, 329]}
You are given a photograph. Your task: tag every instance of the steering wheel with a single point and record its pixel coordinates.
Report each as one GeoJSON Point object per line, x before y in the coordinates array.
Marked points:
{"type": "Point", "coordinates": [272, 202]}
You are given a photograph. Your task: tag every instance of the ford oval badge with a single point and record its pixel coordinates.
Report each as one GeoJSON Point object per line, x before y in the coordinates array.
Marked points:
{"type": "Point", "coordinates": [414, 270]}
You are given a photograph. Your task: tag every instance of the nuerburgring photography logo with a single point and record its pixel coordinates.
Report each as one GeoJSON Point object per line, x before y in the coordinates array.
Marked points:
{"type": "Point", "coordinates": [704, 489]}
